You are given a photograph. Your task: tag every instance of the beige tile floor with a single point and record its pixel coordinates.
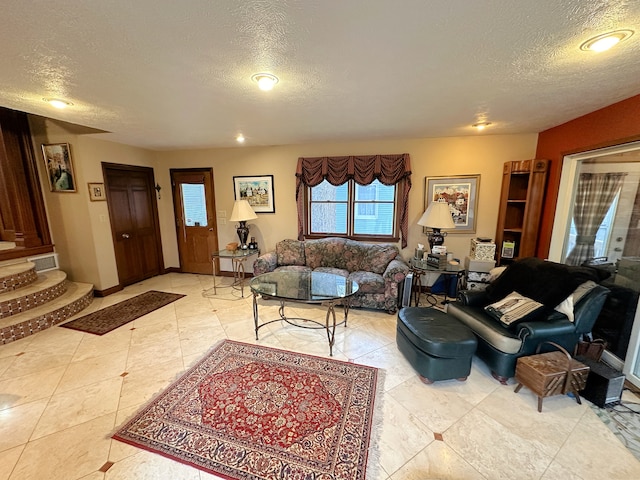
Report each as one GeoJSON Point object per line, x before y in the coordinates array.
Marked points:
{"type": "Point", "coordinates": [63, 392]}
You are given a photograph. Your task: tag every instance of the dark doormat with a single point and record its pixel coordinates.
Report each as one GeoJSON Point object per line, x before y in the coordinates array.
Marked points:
{"type": "Point", "coordinates": [110, 318]}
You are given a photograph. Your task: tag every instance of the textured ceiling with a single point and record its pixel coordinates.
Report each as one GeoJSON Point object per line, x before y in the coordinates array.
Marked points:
{"type": "Point", "coordinates": [166, 74]}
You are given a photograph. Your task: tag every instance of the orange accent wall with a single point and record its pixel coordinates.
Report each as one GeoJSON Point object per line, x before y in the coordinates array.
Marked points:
{"type": "Point", "coordinates": [613, 125]}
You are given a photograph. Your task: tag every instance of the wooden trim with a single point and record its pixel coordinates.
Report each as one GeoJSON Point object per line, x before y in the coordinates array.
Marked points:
{"type": "Point", "coordinates": [108, 291]}
{"type": "Point", "coordinates": [20, 252]}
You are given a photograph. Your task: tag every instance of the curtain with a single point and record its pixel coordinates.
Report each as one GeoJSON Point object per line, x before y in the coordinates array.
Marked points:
{"type": "Point", "coordinates": [364, 169]}
{"type": "Point", "coordinates": [595, 194]}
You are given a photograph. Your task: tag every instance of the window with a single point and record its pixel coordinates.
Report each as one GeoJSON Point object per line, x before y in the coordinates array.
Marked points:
{"type": "Point", "coordinates": [195, 205]}
{"type": "Point", "coordinates": [363, 197]}
{"type": "Point", "coordinates": [352, 210]}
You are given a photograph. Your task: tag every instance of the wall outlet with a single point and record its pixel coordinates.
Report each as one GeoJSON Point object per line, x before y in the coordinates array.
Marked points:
{"type": "Point", "coordinates": [222, 221]}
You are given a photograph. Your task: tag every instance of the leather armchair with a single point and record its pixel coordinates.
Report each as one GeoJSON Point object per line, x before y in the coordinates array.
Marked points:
{"type": "Point", "coordinates": [500, 346]}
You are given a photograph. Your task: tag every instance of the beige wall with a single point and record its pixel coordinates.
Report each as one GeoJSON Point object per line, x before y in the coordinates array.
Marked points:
{"type": "Point", "coordinates": [429, 157]}
{"type": "Point", "coordinates": [82, 233]}
{"type": "Point", "coordinates": [80, 228]}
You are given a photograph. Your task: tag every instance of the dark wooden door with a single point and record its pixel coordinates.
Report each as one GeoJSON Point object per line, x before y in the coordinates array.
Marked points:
{"type": "Point", "coordinates": [134, 222]}
{"type": "Point", "coordinates": [194, 204]}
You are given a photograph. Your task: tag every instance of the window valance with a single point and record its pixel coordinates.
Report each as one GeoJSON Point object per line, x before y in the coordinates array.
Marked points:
{"type": "Point", "coordinates": [392, 169]}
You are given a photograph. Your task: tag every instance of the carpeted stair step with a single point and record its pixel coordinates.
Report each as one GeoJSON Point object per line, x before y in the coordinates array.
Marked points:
{"type": "Point", "coordinates": [77, 297]}
{"type": "Point", "coordinates": [17, 275]}
{"type": "Point", "coordinates": [47, 287]}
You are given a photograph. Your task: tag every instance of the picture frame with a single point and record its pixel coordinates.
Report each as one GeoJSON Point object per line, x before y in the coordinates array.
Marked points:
{"type": "Point", "coordinates": [461, 193]}
{"type": "Point", "coordinates": [96, 192]}
{"type": "Point", "coordinates": [257, 190]}
{"type": "Point", "coordinates": [59, 166]}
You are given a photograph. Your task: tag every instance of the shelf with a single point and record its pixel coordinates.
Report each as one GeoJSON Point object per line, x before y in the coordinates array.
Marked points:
{"type": "Point", "coordinates": [523, 186]}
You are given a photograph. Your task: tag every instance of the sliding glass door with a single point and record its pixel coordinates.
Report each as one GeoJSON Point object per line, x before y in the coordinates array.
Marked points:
{"type": "Point", "coordinates": [597, 222]}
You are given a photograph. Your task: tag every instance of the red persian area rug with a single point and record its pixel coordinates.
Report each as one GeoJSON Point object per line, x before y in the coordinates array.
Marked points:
{"type": "Point", "coordinates": [114, 316]}
{"type": "Point", "coordinates": [251, 412]}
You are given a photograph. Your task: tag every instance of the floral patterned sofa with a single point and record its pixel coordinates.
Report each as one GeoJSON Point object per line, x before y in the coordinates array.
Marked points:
{"type": "Point", "coordinates": [378, 268]}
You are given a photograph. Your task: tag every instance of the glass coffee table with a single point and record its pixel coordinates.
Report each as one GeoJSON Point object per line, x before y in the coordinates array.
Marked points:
{"type": "Point", "coordinates": [304, 287]}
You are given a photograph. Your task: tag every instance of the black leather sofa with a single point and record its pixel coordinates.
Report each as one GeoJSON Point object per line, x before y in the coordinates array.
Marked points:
{"type": "Point", "coordinates": [549, 283]}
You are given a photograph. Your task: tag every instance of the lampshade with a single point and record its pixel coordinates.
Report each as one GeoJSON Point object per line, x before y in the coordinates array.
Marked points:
{"type": "Point", "coordinates": [242, 212]}
{"type": "Point", "coordinates": [437, 215]}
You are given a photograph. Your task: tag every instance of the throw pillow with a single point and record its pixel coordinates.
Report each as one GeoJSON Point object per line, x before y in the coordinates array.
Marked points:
{"type": "Point", "coordinates": [290, 252]}
{"type": "Point", "coordinates": [514, 308]}
{"type": "Point", "coordinates": [567, 305]}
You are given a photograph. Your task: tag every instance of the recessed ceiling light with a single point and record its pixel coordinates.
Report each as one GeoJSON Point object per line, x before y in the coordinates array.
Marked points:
{"type": "Point", "coordinates": [481, 125]}
{"type": "Point", "coordinates": [58, 103]}
{"type": "Point", "coordinates": [605, 41]}
{"type": "Point", "coordinates": [240, 138]}
{"type": "Point", "coordinates": [265, 81]}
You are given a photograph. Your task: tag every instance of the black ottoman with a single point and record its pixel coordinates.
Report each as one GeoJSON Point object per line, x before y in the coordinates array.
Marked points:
{"type": "Point", "coordinates": [437, 345]}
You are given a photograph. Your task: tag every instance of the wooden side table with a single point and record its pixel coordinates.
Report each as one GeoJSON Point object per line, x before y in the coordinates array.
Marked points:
{"type": "Point", "coordinates": [552, 373]}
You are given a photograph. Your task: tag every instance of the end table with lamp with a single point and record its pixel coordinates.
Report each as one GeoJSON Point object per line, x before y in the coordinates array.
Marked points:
{"type": "Point", "coordinates": [437, 217]}
{"type": "Point", "coordinates": [237, 253]}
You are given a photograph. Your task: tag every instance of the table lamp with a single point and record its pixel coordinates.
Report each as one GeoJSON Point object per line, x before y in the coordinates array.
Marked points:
{"type": "Point", "coordinates": [242, 212]}
{"type": "Point", "coordinates": [437, 216]}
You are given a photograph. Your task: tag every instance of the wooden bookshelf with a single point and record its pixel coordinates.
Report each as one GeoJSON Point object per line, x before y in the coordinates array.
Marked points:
{"type": "Point", "coordinates": [522, 194]}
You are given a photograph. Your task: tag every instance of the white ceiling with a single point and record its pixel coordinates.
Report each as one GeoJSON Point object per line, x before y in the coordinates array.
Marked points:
{"type": "Point", "coordinates": [172, 74]}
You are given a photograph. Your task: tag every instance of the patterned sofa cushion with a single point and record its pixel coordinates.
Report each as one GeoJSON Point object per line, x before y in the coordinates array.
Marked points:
{"type": "Point", "coordinates": [290, 252]}
{"type": "Point", "coordinates": [325, 252]}
{"type": "Point", "coordinates": [376, 257]}
{"type": "Point", "coordinates": [369, 282]}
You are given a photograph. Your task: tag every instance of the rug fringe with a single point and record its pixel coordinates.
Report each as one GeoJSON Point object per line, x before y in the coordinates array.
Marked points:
{"type": "Point", "coordinates": [373, 455]}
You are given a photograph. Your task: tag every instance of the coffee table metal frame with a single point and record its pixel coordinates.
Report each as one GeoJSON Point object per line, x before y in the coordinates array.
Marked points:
{"type": "Point", "coordinates": [263, 285]}
{"type": "Point", "coordinates": [238, 259]}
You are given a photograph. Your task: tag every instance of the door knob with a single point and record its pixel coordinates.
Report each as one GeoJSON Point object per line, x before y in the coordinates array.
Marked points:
{"type": "Point", "coordinates": [125, 235]}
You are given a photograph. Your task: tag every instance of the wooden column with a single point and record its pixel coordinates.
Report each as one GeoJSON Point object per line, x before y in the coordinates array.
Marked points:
{"type": "Point", "coordinates": [21, 203]}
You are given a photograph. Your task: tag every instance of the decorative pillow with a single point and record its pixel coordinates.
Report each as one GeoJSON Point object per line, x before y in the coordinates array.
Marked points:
{"type": "Point", "coordinates": [566, 306]}
{"type": "Point", "coordinates": [377, 257]}
{"type": "Point", "coordinates": [290, 252]}
{"type": "Point", "coordinates": [495, 273]}
{"type": "Point", "coordinates": [513, 308]}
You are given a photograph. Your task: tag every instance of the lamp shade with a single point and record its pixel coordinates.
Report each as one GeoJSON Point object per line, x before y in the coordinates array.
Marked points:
{"type": "Point", "coordinates": [437, 215]}
{"type": "Point", "coordinates": [242, 212]}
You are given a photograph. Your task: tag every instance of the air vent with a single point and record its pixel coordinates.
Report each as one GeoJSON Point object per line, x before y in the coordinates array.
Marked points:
{"type": "Point", "coordinates": [44, 263]}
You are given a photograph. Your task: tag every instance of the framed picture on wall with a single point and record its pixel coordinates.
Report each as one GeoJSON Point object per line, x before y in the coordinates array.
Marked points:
{"type": "Point", "coordinates": [461, 193]}
{"type": "Point", "coordinates": [60, 172]}
{"type": "Point", "coordinates": [258, 191]}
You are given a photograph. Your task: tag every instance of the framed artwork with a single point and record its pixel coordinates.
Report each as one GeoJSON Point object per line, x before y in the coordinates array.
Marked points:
{"type": "Point", "coordinates": [96, 192]}
{"type": "Point", "coordinates": [461, 193]}
{"type": "Point", "coordinates": [258, 191]}
{"type": "Point", "coordinates": [60, 172]}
